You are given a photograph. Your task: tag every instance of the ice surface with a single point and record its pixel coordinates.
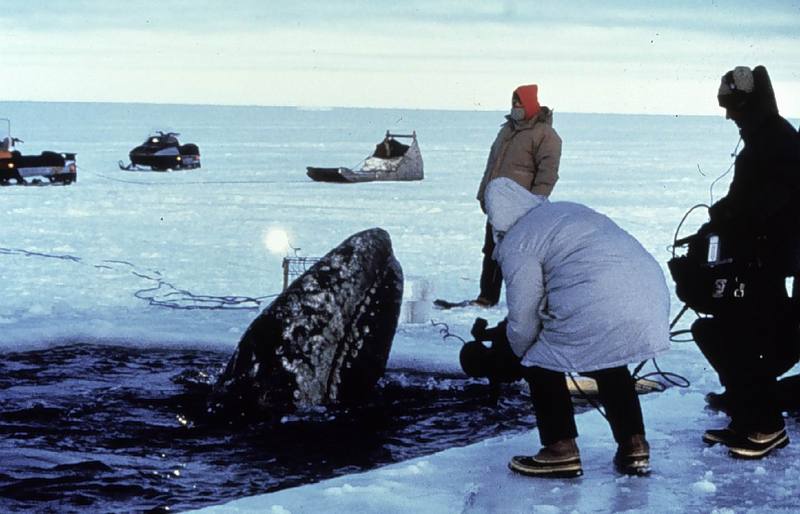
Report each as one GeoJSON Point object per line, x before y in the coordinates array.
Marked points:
{"type": "Point", "coordinates": [123, 258]}
{"type": "Point", "coordinates": [687, 476]}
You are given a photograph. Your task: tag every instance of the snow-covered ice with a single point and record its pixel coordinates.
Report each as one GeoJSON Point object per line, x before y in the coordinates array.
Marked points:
{"type": "Point", "coordinates": [95, 262]}
{"type": "Point", "coordinates": [687, 476]}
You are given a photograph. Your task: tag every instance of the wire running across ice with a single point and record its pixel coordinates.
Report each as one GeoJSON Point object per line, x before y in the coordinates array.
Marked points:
{"type": "Point", "coordinates": [162, 293]}
{"type": "Point", "coordinates": [444, 331]}
{"type": "Point", "coordinates": [182, 183]}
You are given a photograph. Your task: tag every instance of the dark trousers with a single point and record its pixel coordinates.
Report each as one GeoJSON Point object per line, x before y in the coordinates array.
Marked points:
{"type": "Point", "coordinates": [749, 346]}
{"type": "Point", "coordinates": [491, 276]}
{"type": "Point", "coordinates": [555, 415]}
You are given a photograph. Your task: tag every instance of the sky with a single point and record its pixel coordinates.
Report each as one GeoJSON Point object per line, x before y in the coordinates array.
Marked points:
{"type": "Point", "coordinates": [620, 56]}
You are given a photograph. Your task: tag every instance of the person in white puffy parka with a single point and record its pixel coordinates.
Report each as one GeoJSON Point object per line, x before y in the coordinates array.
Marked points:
{"type": "Point", "coordinates": [583, 296]}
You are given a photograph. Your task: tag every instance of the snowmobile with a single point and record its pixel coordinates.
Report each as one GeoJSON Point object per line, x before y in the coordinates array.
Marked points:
{"type": "Point", "coordinates": [392, 160]}
{"type": "Point", "coordinates": [54, 166]}
{"type": "Point", "coordinates": [161, 152]}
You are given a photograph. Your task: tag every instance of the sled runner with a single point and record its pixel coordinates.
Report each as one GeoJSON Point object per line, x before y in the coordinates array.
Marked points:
{"type": "Point", "coordinates": [392, 160]}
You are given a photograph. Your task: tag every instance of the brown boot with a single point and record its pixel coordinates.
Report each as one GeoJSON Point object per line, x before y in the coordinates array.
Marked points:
{"type": "Point", "coordinates": [633, 456]}
{"type": "Point", "coordinates": [558, 460]}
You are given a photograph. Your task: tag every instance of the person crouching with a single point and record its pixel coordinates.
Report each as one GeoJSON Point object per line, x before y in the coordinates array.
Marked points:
{"type": "Point", "coordinates": [583, 296]}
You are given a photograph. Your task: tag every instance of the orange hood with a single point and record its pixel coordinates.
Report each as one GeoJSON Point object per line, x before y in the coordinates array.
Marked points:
{"type": "Point", "coordinates": [529, 97]}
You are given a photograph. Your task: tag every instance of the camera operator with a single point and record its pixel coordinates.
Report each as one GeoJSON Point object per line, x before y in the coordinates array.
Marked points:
{"type": "Point", "coordinates": [583, 296]}
{"type": "Point", "coordinates": [752, 338]}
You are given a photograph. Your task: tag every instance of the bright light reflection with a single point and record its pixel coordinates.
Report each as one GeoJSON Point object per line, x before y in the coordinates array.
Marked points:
{"type": "Point", "coordinates": [277, 241]}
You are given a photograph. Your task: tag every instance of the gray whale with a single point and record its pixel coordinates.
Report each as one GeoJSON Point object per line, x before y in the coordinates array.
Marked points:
{"type": "Point", "coordinates": [324, 340]}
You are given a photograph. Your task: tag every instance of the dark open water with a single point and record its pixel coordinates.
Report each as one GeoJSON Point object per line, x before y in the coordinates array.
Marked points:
{"type": "Point", "coordinates": [114, 429]}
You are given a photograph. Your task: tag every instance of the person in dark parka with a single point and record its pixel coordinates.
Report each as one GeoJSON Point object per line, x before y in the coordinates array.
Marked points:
{"type": "Point", "coordinates": [753, 339]}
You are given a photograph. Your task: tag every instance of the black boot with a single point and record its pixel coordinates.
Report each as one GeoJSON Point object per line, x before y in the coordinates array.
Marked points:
{"type": "Point", "coordinates": [726, 436]}
{"type": "Point", "coordinates": [757, 445]}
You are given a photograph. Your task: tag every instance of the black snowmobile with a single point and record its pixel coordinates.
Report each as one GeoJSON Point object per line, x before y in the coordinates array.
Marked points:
{"type": "Point", "coordinates": [55, 167]}
{"type": "Point", "coordinates": [161, 152]}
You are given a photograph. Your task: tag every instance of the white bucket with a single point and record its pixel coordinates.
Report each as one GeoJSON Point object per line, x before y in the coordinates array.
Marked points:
{"type": "Point", "coordinates": [417, 298]}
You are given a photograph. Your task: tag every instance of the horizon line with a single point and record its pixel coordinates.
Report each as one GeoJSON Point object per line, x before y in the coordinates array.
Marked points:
{"type": "Point", "coordinates": [344, 107]}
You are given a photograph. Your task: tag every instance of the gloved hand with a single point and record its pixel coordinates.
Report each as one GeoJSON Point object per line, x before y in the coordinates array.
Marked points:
{"type": "Point", "coordinates": [481, 333]}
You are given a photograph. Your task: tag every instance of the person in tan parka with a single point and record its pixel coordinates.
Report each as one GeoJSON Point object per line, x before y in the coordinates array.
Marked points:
{"type": "Point", "coordinates": [528, 151]}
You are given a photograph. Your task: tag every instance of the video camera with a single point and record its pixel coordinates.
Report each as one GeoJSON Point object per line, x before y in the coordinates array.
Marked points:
{"type": "Point", "coordinates": [707, 277]}
{"type": "Point", "coordinates": [497, 362]}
